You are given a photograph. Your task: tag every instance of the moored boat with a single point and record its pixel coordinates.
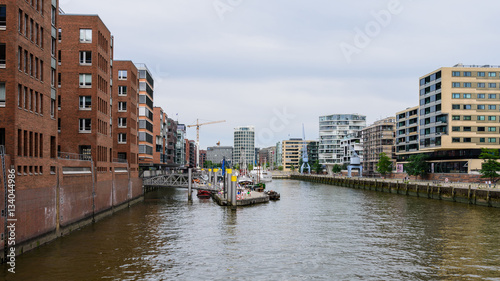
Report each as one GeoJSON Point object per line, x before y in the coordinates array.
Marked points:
{"type": "Point", "coordinates": [273, 195]}
{"type": "Point", "coordinates": [203, 194]}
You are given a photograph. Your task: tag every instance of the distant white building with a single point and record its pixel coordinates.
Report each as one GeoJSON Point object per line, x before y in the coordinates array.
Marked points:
{"type": "Point", "coordinates": [244, 145]}
{"type": "Point", "coordinates": [332, 130]}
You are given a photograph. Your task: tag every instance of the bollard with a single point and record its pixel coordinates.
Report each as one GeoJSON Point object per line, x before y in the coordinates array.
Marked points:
{"type": "Point", "coordinates": [190, 184]}
{"type": "Point", "coordinates": [228, 187]}
{"type": "Point", "coordinates": [234, 191]}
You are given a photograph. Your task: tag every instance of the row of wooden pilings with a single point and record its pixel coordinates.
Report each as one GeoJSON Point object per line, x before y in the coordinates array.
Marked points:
{"type": "Point", "coordinates": [470, 195]}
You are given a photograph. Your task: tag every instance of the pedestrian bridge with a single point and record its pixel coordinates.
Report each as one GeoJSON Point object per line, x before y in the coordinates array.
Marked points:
{"type": "Point", "coordinates": [177, 180]}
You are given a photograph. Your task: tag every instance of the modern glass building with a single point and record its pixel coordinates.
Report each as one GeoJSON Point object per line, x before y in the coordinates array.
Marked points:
{"type": "Point", "coordinates": [244, 146]}
{"type": "Point", "coordinates": [334, 128]}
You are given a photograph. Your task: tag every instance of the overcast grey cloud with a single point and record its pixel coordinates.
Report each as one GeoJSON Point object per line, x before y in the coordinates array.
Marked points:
{"type": "Point", "coordinates": [243, 60]}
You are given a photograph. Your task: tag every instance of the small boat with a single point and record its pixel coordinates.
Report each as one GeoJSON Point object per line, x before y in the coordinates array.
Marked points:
{"type": "Point", "coordinates": [273, 195]}
{"type": "Point", "coordinates": [203, 194]}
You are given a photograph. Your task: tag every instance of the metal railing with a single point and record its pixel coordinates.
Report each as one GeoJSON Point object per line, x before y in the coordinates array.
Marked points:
{"type": "Point", "coordinates": [74, 156]}
{"type": "Point", "coordinates": [120, 160]}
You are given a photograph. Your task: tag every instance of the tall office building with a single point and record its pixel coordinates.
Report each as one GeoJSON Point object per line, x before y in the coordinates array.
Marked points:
{"type": "Point", "coordinates": [459, 114]}
{"type": "Point", "coordinates": [145, 129]}
{"type": "Point", "coordinates": [291, 154]}
{"type": "Point", "coordinates": [180, 147]}
{"type": "Point", "coordinates": [334, 128]}
{"type": "Point", "coordinates": [378, 138]}
{"type": "Point", "coordinates": [406, 135]}
{"type": "Point", "coordinates": [244, 146]}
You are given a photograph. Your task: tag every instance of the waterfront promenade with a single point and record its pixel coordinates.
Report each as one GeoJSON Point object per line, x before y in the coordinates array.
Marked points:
{"type": "Point", "coordinates": [474, 194]}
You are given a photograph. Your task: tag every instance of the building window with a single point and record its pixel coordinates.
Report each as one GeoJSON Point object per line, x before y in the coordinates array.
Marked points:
{"type": "Point", "coordinates": [491, 140]}
{"type": "Point", "coordinates": [122, 90]}
{"type": "Point", "coordinates": [481, 139]}
{"type": "Point", "coordinates": [455, 106]}
{"type": "Point", "coordinates": [122, 75]}
{"type": "Point", "coordinates": [492, 74]}
{"type": "Point", "coordinates": [480, 74]}
{"type": "Point", "coordinates": [455, 73]}
{"type": "Point", "coordinates": [492, 107]}
{"type": "Point", "coordinates": [467, 129]}
{"type": "Point", "coordinates": [2, 55]}
{"type": "Point", "coordinates": [467, 139]}
{"type": "Point", "coordinates": [455, 84]}
{"type": "Point", "coordinates": [480, 107]}
{"type": "Point", "coordinates": [492, 118]}
{"type": "Point", "coordinates": [455, 96]}
{"type": "Point", "coordinates": [85, 57]}
{"type": "Point", "coordinates": [455, 129]}
{"type": "Point", "coordinates": [86, 35]}
{"type": "Point", "coordinates": [492, 129]}
{"type": "Point", "coordinates": [122, 138]}
{"type": "Point", "coordinates": [467, 85]}
{"type": "Point", "coordinates": [481, 85]}
{"type": "Point", "coordinates": [481, 118]}
{"type": "Point", "coordinates": [85, 80]}
{"type": "Point", "coordinates": [455, 139]}
{"type": "Point", "coordinates": [122, 106]}
{"type": "Point", "coordinates": [85, 126]}
{"type": "Point", "coordinates": [85, 102]}
{"type": "Point", "coordinates": [467, 117]}
{"type": "Point", "coordinates": [467, 106]}
{"type": "Point", "coordinates": [467, 96]}
{"type": "Point", "coordinates": [455, 117]}
{"type": "Point", "coordinates": [480, 96]}
{"type": "Point", "coordinates": [467, 74]}
{"type": "Point", "coordinates": [122, 122]}
{"type": "Point", "coordinates": [480, 129]}
{"type": "Point", "coordinates": [3, 16]}
{"type": "Point", "coordinates": [2, 94]}
{"type": "Point", "coordinates": [492, 85]}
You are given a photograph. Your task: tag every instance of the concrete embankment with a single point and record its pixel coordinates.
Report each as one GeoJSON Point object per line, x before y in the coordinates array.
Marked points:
{"type": "Point", "coordinates": [470, 195]}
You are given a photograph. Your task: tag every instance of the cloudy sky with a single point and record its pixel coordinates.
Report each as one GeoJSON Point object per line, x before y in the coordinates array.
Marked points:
{"type": "Point", "coordinates": [279, 64]}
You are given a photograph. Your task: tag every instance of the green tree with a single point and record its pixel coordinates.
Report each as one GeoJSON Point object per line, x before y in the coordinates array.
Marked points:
{"type": "Point", "coordinates": [417, 165]}
{"type": "Point", "coordinates": [237, 166]}
{"type": "Point", "coordinates": [317, 167]}
{"type": "Point", "coordinates": [490, 166]}
{"type": "Point", "coordinates": [384, 165]}
{"type": "Point", "coordinates": [280, 168]}
{"type": "Point", "coordinates": [292, 168]}
{"type": "Point", "coordinates": [337, 168]}
{"type": "Point", "coordinates": [250, 167]}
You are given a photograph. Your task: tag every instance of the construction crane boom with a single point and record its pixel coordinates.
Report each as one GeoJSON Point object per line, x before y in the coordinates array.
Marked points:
{"type": "Point", "coordinates": [197, 125]}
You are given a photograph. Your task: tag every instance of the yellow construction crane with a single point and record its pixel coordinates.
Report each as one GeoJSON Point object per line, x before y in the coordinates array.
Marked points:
{"type": "Point", "coordinates": [197, 125]}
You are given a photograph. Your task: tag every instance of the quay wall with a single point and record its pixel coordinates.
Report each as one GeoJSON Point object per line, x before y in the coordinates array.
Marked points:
{"type": "Point", "coordinates": [468, 195]}
{"type": "Point", "coordinates": [55, 203]}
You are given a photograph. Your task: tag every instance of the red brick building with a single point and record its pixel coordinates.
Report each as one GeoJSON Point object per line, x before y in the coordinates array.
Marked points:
{"type": "Point", "coordinates": [203, 158]}
{"type": "Point", "coordinates": [85, 55]}
{"type": "Point", "coordinates": [125, 96]}
{"type": "Point", "coordinates": [159, 137]}
{"type": "Point", "coordinates": [28, 116]}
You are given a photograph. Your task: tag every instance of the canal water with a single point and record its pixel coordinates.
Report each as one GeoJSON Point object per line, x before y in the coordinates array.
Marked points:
{"type": "Point", "coordinates": [316, 232]}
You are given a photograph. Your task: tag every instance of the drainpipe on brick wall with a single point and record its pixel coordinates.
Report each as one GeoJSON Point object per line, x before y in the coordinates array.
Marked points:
{"type": "Point", "coordinates": [93, 190]}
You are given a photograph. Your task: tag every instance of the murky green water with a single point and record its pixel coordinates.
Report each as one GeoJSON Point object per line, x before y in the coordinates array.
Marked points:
{"type": "Point", "coordinates": [316, 232]}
